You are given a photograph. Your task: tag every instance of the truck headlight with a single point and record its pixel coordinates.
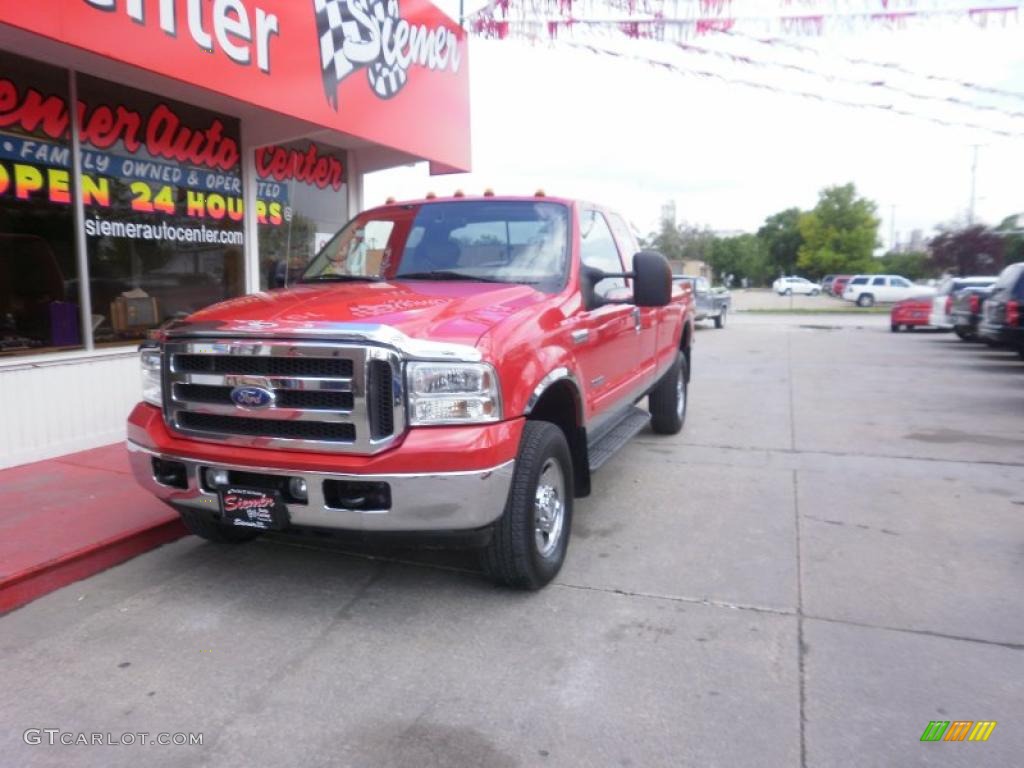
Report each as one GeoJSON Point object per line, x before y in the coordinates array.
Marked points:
{"type": "Point", "coordinates": [152, 389]}
{"type": "Point", "coordinates": [452, 393]}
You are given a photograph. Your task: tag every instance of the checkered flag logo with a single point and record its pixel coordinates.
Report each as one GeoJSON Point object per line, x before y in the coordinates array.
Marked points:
{"type": "Point", "coordinates": [349, 40]}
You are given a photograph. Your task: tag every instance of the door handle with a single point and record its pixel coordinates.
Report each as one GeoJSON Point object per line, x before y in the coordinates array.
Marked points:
{"type": "Point", "coordinates": [636, 319]}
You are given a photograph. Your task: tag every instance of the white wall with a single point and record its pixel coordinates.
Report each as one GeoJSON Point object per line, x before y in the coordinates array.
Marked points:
{"type": "Point", "coordinates": [53, 407]}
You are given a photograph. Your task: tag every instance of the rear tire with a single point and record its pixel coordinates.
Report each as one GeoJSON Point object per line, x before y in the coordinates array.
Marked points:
{"type": "Point", "coordinates": [720, 319]}
{"type": "Point", "coordinates": [962, 334]}
{"type": "Point", "coordinates": [667, 401]}
{"type": "Point", "coordinates": [203, 525]}
{"type": "Point", "coordinates": [530, 539]}
{"type": "Point", "coordinates": [865, 300]}
{"type": "Point", "coordinates": [788, 292]}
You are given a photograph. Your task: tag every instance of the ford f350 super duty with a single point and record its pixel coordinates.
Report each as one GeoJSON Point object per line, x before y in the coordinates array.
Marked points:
{"type": "Point", "coordinates": [444, 365]}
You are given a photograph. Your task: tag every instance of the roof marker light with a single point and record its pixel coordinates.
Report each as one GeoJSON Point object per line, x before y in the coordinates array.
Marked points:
{"type": "Point", "coordinates": [459, 193]}
{"type": "Point", "coordinates": [488, 192]}
{"type": "Point", "coordinates": [539, 193]}
{"type": "Point", "coordinates": [431, 196]}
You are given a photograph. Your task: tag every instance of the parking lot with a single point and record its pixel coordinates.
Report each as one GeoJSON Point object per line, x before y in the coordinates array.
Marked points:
{"type": "Point", "coordinates": [829, 557]}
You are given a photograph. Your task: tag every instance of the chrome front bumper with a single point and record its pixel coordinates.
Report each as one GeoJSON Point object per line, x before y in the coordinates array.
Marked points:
{"type": "Point", "coordinates": [442, 501]}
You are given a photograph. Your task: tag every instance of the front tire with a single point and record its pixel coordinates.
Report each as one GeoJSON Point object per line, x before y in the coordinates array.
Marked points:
{"type": "Point", "coordinates": [529, 541]}
{"type": "Point", "coordinates": [720, 319]}
{"type": "Point", "coordinates": [894, 327]}
{"type": "Point", "coordinates": [865, 300]}
{"type": "Point", "coordinates": [206, 527]}
{"type": "Point", "coordinates": [962, 334]}
{"type": "Point", "coordinates": [815, 292]}
{"type": "Point", "coordinates": [667, 401]}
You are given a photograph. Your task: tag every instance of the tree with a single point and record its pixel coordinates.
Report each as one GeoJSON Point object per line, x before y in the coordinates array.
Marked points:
{"type": "Point", "coordinates": [913, 265]}
{"type": "Point", "coordinates": [742, 256]}
{"type": "Point", "coordinates": [683, 242]}
{"type": "Point", "coordinates": [974, 250]}
{"type": "Point", "coordinates": [782, 240]}
{"type": "Point", "coordinates": [1012, 231]}
{"type": "Point", "coordinates": [840, 234]}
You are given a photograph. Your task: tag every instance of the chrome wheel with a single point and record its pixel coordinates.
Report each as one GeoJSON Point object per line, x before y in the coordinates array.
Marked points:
{"type": "Point", "coordinates": [549, 508]}
{"type": "Point", "coordinates": [680, 395]}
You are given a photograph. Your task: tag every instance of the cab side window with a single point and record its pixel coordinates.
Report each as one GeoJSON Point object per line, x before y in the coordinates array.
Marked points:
{"type": "Point", "coordinates": [878, 281]}
{"type": "Point", "coordinates": [628, 244]}
{"type": "Point", "coordinates": [597, 249]}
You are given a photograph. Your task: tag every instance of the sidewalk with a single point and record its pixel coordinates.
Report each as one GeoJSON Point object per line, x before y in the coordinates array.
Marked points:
{"type": "Point", "coordinates": [67, 518]}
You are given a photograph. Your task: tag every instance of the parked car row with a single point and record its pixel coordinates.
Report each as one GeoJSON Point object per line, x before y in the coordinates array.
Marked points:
{"type": "Point", "coordinates": [863, 290]}
{"type": "Point", "coordinates": [987, 309]}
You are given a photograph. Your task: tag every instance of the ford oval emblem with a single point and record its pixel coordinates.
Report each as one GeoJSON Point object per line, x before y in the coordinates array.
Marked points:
{"type": "Point", "coordinates": [252, 397]}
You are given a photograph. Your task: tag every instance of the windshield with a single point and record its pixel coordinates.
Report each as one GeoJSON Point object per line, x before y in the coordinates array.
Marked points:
{"type": "Point", "coordinates": [484, 240]}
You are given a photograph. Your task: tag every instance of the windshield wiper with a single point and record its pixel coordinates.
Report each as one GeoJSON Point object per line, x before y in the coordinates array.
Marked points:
{"type": "Point", "coordinates": [445, 274]}
{"type": "Point", "coordinates": [341, 279]}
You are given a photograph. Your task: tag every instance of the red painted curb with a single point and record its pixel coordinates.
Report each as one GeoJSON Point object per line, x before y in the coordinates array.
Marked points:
{"type": "Point", "coordinates": [25, 586]}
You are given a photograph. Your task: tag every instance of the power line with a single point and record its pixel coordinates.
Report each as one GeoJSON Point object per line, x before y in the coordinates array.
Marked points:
{"type": "Point", "coordinates": [889, 108]}
{"type": "Point", "coordinates": [778, 41]}
{"type": "Point", "coordinates": [881, 85]}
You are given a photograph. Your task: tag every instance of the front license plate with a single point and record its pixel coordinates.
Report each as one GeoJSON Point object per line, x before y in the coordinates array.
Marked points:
{"type": "Point", "coordinates": [253, 508]}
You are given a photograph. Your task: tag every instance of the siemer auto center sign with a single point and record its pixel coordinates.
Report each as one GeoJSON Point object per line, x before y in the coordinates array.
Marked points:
{"type": "Point", "coordinates": [374, 69]}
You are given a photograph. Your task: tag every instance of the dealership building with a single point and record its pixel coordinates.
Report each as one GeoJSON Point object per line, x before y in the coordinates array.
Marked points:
{"type": "Point", "coordinates": [215, 145]}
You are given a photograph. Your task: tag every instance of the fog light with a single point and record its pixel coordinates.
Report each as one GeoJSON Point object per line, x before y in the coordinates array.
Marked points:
{"type": "Point", "coordinates": [217, 478]}
{"type": "Point", "coordinates": [297, 489]}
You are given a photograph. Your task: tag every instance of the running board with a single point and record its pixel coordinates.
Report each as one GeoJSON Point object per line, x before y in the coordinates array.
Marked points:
{"type": "Point", "coordinates": [632, 422]}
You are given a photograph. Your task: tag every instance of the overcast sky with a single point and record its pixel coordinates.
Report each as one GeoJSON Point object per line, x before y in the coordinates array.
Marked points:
{"type": "Point", "coordinates": [624, 133]}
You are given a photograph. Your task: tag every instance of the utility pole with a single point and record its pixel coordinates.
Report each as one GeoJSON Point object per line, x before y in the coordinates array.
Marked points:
{"type": "Point", "coordinates": [892, 230]}
{"type": "Point", "coordinates": [974, 177]}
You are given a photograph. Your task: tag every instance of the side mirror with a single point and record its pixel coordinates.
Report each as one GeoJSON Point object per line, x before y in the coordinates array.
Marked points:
{"type": "Point", "coordinates": [589, 278]}
{"type": "Point", "coordinates": [652, 279]}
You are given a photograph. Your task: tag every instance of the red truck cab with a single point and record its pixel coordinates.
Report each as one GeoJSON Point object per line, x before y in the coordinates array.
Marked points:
{"type": "Point", "coordinates": [458, 364]}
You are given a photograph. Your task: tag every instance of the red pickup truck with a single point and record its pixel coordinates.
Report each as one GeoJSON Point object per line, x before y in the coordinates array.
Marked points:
{"type": "Point", "coordinates": [444, 365]}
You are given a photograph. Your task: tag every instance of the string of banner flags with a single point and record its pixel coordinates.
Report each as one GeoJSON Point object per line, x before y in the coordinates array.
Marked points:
{"type": "Point", "coordinates": [615, 28]}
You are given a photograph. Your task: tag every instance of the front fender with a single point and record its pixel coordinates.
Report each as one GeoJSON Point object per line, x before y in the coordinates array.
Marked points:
{"type": "Point", "coordinates": [524, 382]}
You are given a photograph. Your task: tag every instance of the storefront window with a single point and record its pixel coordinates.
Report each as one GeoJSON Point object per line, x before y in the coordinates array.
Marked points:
{"type": "Point", "coordinates": [302, 203]}
{"type": "Point", "coordinates": [162, 188]}
{"type": "Point", "coordinates": [39, 309]}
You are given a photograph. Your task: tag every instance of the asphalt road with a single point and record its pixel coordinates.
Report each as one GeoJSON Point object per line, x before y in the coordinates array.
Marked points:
{"type": "Point", "coordinates": [828, 558]}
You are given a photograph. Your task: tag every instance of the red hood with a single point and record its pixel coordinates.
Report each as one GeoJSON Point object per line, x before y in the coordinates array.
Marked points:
{"type": "Point", "coordinates": [455, 312]}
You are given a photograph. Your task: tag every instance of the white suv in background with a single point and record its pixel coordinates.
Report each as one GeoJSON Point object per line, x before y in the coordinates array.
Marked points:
{"type": "Point", "coordinates": [942, 304]}
{"type": "Point", "coordinates": [785, 286]}
{"type": "Point", "coordinates": [868, 290]}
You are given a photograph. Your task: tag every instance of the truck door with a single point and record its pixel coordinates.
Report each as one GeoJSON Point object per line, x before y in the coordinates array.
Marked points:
{"type": "Point", "coordinates": [607, 338]}
{"type": "Point", "coordinates": [654, 336]}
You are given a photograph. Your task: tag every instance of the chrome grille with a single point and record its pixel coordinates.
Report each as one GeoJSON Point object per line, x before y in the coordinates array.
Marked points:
{"type": "Point", "coordinates": [327, 397]}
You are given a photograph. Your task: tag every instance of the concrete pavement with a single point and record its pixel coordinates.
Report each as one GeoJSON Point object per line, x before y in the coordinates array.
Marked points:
{"type": "Point", "coordinates": [829, 557]}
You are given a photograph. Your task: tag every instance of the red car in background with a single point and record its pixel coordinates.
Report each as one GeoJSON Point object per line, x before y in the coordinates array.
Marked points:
{"type": "Point", "coordinates": [910, 314]}
{"type": "Point", "coordinates": [838, 285]}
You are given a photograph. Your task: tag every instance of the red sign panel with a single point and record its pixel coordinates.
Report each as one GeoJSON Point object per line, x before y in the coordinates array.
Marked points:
{"type": "Point", "coordinates": [393, 72]}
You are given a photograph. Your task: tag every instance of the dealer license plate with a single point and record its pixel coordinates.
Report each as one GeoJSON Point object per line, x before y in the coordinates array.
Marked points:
{"type": "Point", "coordinates": [253, 508]}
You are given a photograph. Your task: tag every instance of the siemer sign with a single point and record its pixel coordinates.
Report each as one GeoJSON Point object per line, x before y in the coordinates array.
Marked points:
{"type": "Point", "coordinates": [351, 35]}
